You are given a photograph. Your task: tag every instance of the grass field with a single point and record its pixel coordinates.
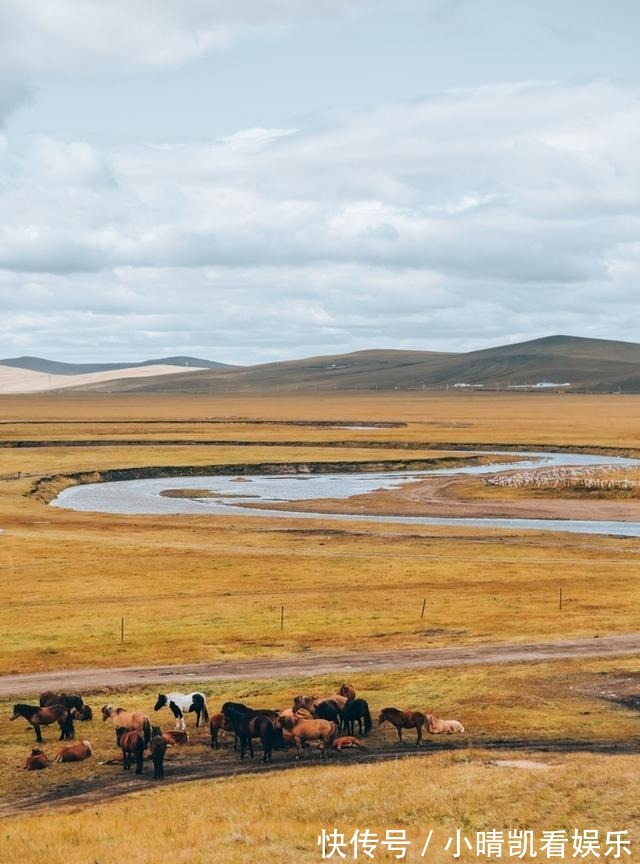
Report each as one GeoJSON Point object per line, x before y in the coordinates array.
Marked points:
{"type": "Point", "coordinates": [193, 588]}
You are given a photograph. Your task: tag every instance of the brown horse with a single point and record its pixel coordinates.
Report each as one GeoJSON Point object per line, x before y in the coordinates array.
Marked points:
{"type": "Point", "coordinates": [37, 761]}
{"type": "Point", "coordinates": [403, 720]}
{"type": "Point", "coordinates": [158, 747]}
{"type": "Point", "coordinates": [133, 746]}
{"type": "Point", "coordinates": [218, 723]}
{"type": "Point", "coordinates": [348, 741]}
{"type": "Point", "coordinates": [347, 691]}
{"type": "Point", "coordinates": [38, 717]}
{"type": "Point", "coordinates": [77, 752]}
{"type": "Point", "coordinates": [305, 730]}
{"type": "Point", "coordinates": [127, 720]}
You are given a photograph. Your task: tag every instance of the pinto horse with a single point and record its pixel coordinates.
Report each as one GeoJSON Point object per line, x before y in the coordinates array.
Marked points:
{"type": "Point", "coordinates": [403, 720]}
{"type": "Point", "coordinates": [38, 717]}
{"type": "Point", "coordinates": [184, 703]}
{"type": "Point", "coordinates": [127, 720]}
{"type": "Point", "coordinates": [357, 710]}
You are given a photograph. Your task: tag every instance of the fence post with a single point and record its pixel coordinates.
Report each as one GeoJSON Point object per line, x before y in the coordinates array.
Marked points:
{"type": "Point", "coordinates": [424, 606]}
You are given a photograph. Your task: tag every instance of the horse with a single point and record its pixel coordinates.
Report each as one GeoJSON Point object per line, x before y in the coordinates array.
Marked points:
{"type": "Point", "coordinates": [436, 726]}
{"type": "Point", "coordinates": [69, 700]}
{"type": "Point", "coordinates": [83, 714]}
{"type": "Point", "coordinates": [323, 731]}
{"type": "Point", "coordinates": [38, 717]}
{"type": "Point", "coordinates": [158, 747]}
{"type": "Point", "coordinates": [133, 745]}
{"type": "Point", "coordinates": [262, 727]}
{"type": "Point", "coordinates": [218, 724]}
{"type": "Point", "coordinates": [37, 761]}
{"type": "Point", "coordinates": [348, 741]}
{"type": "Point", "coordinates": [403, 720]}
{"type": "Point", "coordinates": [328, 710]}
{"type": "Point", "coordinates": [77, 752]}
{"type": "Point", "coordinates": [184, 703]}
{"type": "Point", "coordinates": [127, 720]}
{"type": "Point", "coordinates": [347, 691]}
{"type": "Point", "coordinates": [238, 708]}
{"type": "Point", "coordinates": [357, 710]}
{"type": "Point", "coordinates": [239, 722]}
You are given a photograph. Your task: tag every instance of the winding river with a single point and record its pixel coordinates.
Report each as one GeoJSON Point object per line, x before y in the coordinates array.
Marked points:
{"type": "Point", "coordinates": [144, 496]}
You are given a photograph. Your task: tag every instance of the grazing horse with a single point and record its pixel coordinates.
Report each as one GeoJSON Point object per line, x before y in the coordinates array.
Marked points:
{"type": "Point", "coordinates": [127, 720]}
{"type": "Point", "coordinates": [69, 700]}
{"type": "Point", "coordinates": [83, 714]}
{"type": "Point", "coordinates": [218, 724]}
{"type": "Point", "coordinates": [77, 752]}
{"type": "Point", "coordinates": [403, 720]}
{"type": "Point", "coordinates": [158, 747]}
{"type": "Point", "coordinates": [348, 741]}
{"type": "Point", "coordinates": [357, 710]}
{"type": "Point", "coordinates": [347, 691]}
{"type": "Point", "coordinates": [133, 745]}
{"type": "Point", "coordinates": [37, 761]}
{"type": "Point", "coordinates": [38, 717]}
{"type": "Point", "coordinates": [436, 726]}
{"type": "Point", "coordinates": [184, 703]}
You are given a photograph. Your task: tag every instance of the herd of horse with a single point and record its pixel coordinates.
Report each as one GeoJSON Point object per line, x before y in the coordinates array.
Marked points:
{"type": "Point", "coordinates": [330, 723]}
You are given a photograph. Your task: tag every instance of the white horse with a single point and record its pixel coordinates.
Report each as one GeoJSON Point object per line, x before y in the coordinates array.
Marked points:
{"type": "Point", "coordinates": [184, 703]}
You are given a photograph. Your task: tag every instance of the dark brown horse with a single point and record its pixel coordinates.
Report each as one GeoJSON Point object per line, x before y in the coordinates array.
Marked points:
{"type": "Point", "coordinates": [157, 748]}
{"type": "Point", "coordinates": [347, 691]}
{"type": "Point", "coordinates": [357, 711]}
{"type": "Point", "coordinates": [218, 723]}
{"type": "Point", "coordinates": [69, 700]}
{"type": "Point", "coordinates": [38, 717]}
{"type": "Point", "coordinates": [37, 761]}
{"type": "Point", "coordinates": [403, 720]}
{"type": "Point", "coordinates": [133, 746]}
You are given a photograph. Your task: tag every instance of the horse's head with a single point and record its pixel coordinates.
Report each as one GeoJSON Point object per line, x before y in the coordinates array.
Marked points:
{"type": "Point", "coordinates": [161, 702]}
{"type": "Point", "coordinates": [382, 717]}
{"type": "Point", "coordinates": [107, 711]}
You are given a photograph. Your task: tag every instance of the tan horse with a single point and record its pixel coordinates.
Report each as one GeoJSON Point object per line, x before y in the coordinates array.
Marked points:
{"type": "Point", "coordinates": [305, 730]}
{"type": "Point", "coordinates": [436, 726]}
{"type": "Point", "coordinates": [127, 720]}
{"type": "Point", "coordinates": [403, 720]}
{"type": "Point", "coordinates": [346, 742]}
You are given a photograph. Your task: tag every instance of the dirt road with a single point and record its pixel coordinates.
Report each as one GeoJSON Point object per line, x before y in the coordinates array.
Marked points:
{"type": "Point", "coordinates": [344, 663]}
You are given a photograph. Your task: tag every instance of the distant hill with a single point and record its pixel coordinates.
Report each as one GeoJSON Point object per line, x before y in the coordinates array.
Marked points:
{"type": "Point", "coordinates": [597, 364]}
{"type": "Point", "coordinates": [52, 367]}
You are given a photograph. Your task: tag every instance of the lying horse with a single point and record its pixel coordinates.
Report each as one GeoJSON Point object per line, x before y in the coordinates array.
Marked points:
{"type": "Point", "coordinates": [127, 720]}
{"type": "Point", "coordinates": [37, 761]}
{"type": "Point", "coordinates": [77, 752]}
{"type": "Point", "coordinates": [184, 703]}
{"type": "Point", "coordinates": [348, 741]}
{"type": "Point", "coordinates": [403, 720]}
{"type": "Point", "coordinates": [38, 717]}
{"type": "Point", "coordinates": [133, 746]}
{"type": "Point", "coordinates": [357, 710]}
{"type": "Point", "coordinates": [436, 726]}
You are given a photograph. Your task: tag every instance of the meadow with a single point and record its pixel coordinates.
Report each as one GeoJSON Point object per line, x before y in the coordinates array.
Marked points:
{"type": "Point", "coordinates": [195, 588]}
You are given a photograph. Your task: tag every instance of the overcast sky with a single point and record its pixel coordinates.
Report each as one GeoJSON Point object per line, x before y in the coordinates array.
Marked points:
{"type": "Point", "coordinates": [252, 180]}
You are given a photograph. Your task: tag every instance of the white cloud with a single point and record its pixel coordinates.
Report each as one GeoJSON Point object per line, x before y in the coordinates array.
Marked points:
{"type": "Point", "coordinates": [457, 220]}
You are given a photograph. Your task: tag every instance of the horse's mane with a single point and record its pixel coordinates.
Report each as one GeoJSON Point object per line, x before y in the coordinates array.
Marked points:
{"type": "Point", "coordinates": [23, 706]}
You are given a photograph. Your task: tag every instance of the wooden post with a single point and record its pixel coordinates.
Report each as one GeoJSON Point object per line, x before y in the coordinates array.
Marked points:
{"type": "Point", "coordinates": [121, 630]}
{"type": "Point", "coordinates": [424, 606]}
{"type": "Point", "coordinates": [282, 617]}
{"type": "Point", "coordinates": [560, 604]}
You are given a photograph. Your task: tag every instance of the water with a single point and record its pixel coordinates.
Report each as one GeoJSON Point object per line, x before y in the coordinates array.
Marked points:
{"type": "Point", "coordinates": [143, 496]}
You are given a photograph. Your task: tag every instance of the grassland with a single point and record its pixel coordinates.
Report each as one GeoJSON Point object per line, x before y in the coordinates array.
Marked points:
{"type": "Point", "coordinates": [195, 588]}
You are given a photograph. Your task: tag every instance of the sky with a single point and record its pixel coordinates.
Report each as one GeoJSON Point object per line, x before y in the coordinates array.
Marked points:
{"type": "Point", "coordinates": [258, 180]}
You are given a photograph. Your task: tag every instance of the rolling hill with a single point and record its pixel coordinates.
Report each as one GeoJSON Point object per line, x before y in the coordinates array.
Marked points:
{"type": "Point", "coordinates": [596, 364]}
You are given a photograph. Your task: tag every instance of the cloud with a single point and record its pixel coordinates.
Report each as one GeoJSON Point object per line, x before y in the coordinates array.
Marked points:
{"type": "Point", "coordinates": [454, 221]}
{"type": "Point", "coordinates": [73, 34]}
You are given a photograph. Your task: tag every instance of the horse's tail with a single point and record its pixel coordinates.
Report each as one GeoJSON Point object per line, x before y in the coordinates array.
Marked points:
{"type": "Point", "coordinates": [140, 748]}
{"type": "Point", "coordinates": [367, 720]}
{"type": "Point", "coordinates": [200, 697]}
{"type": "Point", "coordinates": [146, 731]}
{"type": "Point", "coordinates": [68, 729]}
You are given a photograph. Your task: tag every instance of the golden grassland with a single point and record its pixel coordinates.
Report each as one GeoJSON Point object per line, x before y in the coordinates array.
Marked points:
{"type": "Point", "coordinates": [258, 818]}
{"type": "Point", "coordinates": [197, 588]}
{"type": "Point", "coordinates": [201, 588]}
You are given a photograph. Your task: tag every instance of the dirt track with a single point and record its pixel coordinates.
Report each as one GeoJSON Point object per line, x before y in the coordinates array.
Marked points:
{"type": "Point", "coordinates": [320, 664]}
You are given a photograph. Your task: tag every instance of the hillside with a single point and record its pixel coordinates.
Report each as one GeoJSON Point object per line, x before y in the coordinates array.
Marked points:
{"type": "Point", "coordinates": [53, 367]}
{"type": "Point", "coordinates": [595, 364]}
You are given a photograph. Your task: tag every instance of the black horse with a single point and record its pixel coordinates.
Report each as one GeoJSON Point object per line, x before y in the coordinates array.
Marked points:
{"type": "Point", "coordinates": [328, 710]}
{"type": "Point", "coordinates": [237, 717]}
{"type": "Point", "coordinates": [357, 710]}
{"type": "Point", "coordinates": [247, 723]}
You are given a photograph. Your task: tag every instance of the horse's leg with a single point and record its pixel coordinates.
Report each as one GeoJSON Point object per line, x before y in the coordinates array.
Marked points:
{"type": "Point", "coordinates": [299, 746]}
{"type": "Point", "coordinates": [36, 727]}
{"type": "Point", "coordinates": [214, 739]}
{"type": "Point", "coordinates": [399, 728]}
{"type": "Point", "coordinates": [418, 742]}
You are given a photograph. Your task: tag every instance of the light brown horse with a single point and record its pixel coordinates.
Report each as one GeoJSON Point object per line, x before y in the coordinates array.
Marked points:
{"type": "Point", "coordinates": [306, 730]}
{"type": "Point", "coordinates": [217, 724]}
{"type": "Point", "coordinates": [403, 720]}
{"type": "Point", "coordinates": [127, 720]}
{"type": "Point", "coordinates": [38, 717]}
{"type": "Point", "coordinates": [346, 742]}
{"type": "Point", "coordinates": [436, 726]}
